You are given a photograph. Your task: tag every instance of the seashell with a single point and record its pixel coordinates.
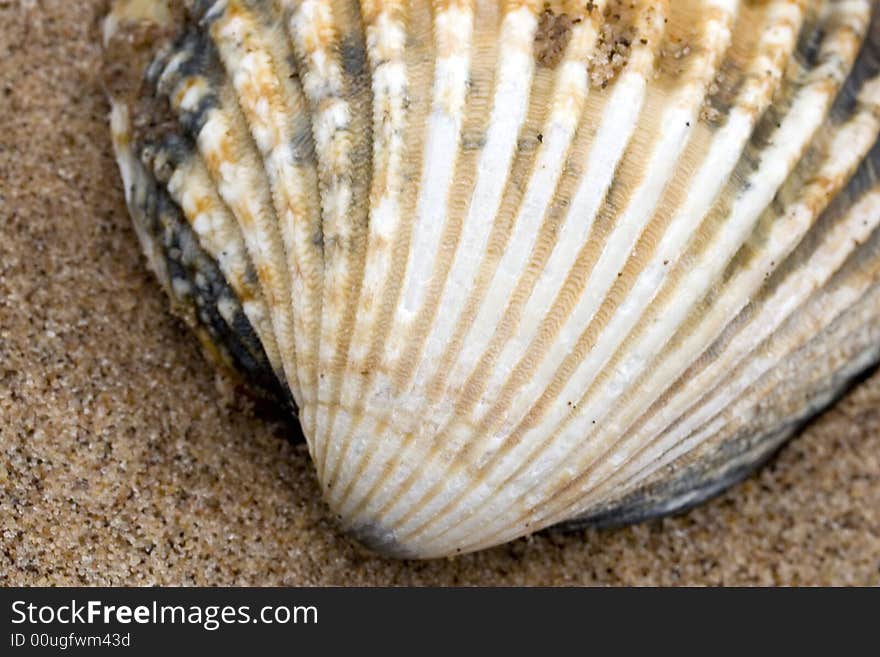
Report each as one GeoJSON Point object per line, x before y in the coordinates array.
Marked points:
{"type": "Point", "coordinates": [513, 263]}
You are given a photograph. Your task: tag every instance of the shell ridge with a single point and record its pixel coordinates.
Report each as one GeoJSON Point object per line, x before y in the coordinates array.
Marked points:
{"type": "Point", "coordinates": [314, 28]}
{"type": "Point", "coordinates": [802, 113]}
{"type": "Point", "coordinates": [390, 90]}
{"type": "Point", "coordinates": [444, 113]}
{"type": "Point", "coordinates": [558, 134]}
{"type": "Point", "coordinates": [783, 236]}
{"type": "Point", "coordinates": [401, 90]}
{"type": "Point", "coordinates": [358, 146]}
{"type": "Point", "coordinates": [585, 418]}
{"type": "Point", "coordinates": [633, 219]}
{"type": "Point", "coordinates": [799, 286]}
{"type": "Point", "coordinates": [210, 115]}
{"type": "Point", "coordinates": [365, 359]}
{"type": "Point", "coordinates": [287, 157]}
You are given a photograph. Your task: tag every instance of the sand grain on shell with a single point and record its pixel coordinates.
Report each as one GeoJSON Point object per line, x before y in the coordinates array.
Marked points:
{"type": "Point", "coordinates": [121, 463]}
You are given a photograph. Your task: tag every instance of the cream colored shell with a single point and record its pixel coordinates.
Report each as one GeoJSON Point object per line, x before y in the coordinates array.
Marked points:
{"type": "Point", "coordinates": [515, 262]}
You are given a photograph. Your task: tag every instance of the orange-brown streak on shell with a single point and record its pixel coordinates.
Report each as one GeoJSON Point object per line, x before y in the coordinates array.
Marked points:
{"type": "Point", "coordinates": [501, 228]}
{"type": "Point", "coordinates": [346, 217]}
{"type": "Point", "coordinates": [256, 58]}
{"type": "Point", "coordinates": [232, 159]}
{"type": "Point", "coordinates": [313, 27]}
{"type": "Point", "coordinates": [398, 125]}
{"type": "Point", "coordinates": [477, 111]}
{"type": "Point", "coordinates": [418, 60]}
{"type": "Point", "coordinates": [304, 190]}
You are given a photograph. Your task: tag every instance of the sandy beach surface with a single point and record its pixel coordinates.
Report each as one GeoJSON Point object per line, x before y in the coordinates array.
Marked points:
{"type": "Point", "coordinates": [124, 459]}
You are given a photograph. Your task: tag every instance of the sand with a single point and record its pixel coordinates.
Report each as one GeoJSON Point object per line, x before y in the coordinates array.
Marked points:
{"type": "Point", "coordinates": [124, 459]}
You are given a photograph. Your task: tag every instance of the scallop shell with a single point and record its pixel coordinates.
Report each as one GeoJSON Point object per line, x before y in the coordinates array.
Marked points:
{"type": "Point", "coordinates": [513, 263]}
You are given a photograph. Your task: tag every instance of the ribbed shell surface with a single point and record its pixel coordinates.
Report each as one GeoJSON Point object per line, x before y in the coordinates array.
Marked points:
{"type": "Point", "coordinates": [513, 262]}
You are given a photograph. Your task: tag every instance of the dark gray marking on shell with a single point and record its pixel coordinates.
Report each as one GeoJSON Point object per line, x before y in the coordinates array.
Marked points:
{"type": "Point", "coordinates": [473, 141]}
{"type": "Point", "coordinates": [867, 67]}
{"type": "Point", "coordinates": [201, 287]}
{"type": "Point", "coordinates": [200, 11]}
{"type": "Point", "coordinates": [806, 50]}
{"type": "Point", "coordinates": [302, 146]}
{"type": "Point", "coordinates": [379, 540]}
{"type": "Point", "coordinates": [354, 57]}
{"type": "Point", "coordinates": [807, 53]}
{"type": "Point", "coordinates": [190, 265]}
{"type": "Point", "coordinates": [201, 60]}
{"type": "Point", "coordinates": [843, 109]}
{"type": "Point", "coordinates": [166, 156]}
{"type": "Point", "coordinates": [730, 463]}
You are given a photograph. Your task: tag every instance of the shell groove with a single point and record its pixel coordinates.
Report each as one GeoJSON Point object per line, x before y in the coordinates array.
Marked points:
{"type": "Point", "coordinates": [514, 263]}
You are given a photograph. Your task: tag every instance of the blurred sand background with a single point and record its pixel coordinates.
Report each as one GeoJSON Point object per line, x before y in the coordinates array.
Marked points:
{"type": "Point", "coordinates": [124, 460]}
